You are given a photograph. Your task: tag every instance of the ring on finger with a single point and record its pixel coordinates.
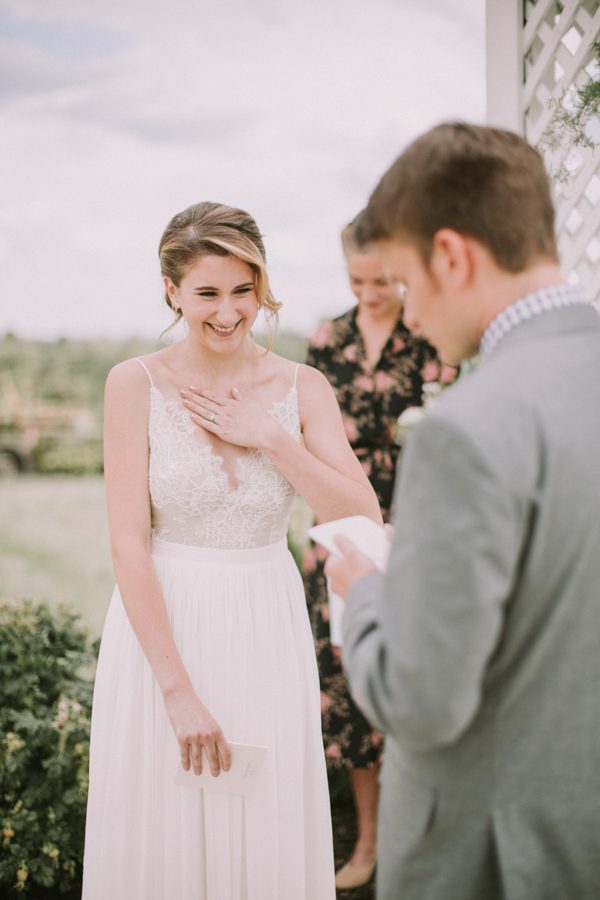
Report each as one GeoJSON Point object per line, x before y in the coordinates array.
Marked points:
{"type": "Point", "coordinates": [212, 417]}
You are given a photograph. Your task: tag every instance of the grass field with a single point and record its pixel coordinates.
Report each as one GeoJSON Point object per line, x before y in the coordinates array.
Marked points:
{"type": "Point", "coordinates": [54, 543]}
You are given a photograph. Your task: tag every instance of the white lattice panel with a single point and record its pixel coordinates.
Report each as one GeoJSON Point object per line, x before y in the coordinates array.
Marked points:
{"type": "Point", "coordinates": [551, 43]}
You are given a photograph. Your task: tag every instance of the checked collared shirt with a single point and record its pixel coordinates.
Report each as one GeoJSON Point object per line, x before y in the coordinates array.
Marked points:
{"type": "Point", "coordinates": [552, 297]}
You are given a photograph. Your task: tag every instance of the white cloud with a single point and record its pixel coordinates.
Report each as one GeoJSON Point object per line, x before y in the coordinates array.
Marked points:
{"type": "Point", "coordinates": [290, 110]}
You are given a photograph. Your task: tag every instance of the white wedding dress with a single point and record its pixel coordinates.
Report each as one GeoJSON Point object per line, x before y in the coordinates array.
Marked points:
{"type": "Point", "coordinates": [238, 614]}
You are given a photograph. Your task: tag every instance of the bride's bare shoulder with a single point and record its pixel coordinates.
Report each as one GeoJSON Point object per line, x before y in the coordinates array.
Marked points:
{"type": "Point", "coordinates": [130, 376]}
{"type": "Point", "coordinates": [276, 366]}
{"type": "Point", "coordinates": [310, 382]}
{"type": "Point", "coordinates": [138, 371]}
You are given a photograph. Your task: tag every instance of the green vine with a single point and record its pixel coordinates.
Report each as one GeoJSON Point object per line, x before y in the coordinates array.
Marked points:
{"type": "Point", "coordinates": [569, 125]}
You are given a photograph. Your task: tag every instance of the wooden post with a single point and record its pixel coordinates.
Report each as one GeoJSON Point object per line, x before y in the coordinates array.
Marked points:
{"type": "Point", "coordinates": [504, 63]}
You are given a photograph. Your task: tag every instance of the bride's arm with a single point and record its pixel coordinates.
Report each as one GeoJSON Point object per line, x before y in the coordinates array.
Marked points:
{"type": "Point", "coordinates": [126, 412]}
{"type": "Point", "coordinates": [324, 469]}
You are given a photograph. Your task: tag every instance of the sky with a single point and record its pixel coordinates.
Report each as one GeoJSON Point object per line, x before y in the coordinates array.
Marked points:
{"type": "Point", "coordinates": [117, 114]}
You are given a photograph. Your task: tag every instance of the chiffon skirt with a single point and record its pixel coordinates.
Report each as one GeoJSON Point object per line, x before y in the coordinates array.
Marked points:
{"type": "Point", "coordinates": [240, 622]}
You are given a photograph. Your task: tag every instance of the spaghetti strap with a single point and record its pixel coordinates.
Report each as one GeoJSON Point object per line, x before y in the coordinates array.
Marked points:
{"type": "Point", "coordinates": [145, 368]}
{"type": "Point", "coordinates": [296, 370]}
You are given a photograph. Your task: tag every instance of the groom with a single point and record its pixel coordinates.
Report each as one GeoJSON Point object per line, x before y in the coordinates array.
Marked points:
{"type": "Point", "coordinates": [478, 652]}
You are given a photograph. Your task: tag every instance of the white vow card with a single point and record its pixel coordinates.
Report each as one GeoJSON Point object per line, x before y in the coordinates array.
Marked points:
{"type": "Point", "coordinates": [369, 538]}
{"type": "Point", "coordinates": [246, 761]}
{"type": "Point", "coordinates": [336, 611]}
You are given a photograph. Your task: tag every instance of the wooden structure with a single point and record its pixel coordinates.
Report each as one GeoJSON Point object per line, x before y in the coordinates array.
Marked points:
{"type": "Point", "coordinates": [537, 51]}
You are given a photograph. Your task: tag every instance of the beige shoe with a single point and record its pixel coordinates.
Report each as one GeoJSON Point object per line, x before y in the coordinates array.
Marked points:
{"type": "Point", "coordinates": [350, 877]}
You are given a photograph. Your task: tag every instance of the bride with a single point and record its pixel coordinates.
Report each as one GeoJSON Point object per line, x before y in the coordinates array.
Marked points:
{"type": "Point", "coordinates": [207, 639]}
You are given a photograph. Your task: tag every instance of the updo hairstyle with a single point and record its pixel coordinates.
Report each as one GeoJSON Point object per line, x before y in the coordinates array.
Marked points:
{"type": "Point", "coordinates": [213, 229]}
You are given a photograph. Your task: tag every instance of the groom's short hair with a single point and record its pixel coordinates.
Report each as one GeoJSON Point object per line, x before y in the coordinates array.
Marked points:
{"type": "Point", "coordinates": [484, 182]}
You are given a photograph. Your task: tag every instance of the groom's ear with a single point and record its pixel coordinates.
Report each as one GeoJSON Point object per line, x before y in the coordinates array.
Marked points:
{"type": "Point", "coordinates": [451, 262]}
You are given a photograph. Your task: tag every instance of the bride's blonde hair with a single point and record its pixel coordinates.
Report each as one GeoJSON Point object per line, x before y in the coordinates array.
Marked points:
{"type": "Point", "coordinates": [213, 229]}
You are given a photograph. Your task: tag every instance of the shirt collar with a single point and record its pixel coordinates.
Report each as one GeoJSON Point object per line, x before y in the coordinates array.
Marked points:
{"type": "Point", "coordinates": [552, 297]}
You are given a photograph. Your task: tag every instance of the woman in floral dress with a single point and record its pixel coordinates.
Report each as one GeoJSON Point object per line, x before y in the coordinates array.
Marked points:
{"type": "Point", "coordinates": [377, 368]}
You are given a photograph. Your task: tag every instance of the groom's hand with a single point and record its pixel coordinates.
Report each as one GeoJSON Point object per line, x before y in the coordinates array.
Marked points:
{"type": "Point", "coordinates": [346, 567]}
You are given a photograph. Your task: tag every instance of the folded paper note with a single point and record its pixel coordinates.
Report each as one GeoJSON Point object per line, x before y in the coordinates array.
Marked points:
{"type": "Point", "coordinates": [368, 537]}
{"type": "Point", "coordinates": [246, 762]}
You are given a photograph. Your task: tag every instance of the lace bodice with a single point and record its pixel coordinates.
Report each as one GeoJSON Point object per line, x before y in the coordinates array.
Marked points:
{"type": "Point", "coordinates": [192, 500]}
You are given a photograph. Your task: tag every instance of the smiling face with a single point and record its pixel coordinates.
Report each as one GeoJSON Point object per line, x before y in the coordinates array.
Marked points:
{"type": "Point", "coordinates": [371, 286]}
{"type": "Point", "coordinates": [218, 301]}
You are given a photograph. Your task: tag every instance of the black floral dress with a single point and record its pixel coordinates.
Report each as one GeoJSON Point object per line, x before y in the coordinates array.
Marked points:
{"type": "Point", "coordinates": [371, 398]}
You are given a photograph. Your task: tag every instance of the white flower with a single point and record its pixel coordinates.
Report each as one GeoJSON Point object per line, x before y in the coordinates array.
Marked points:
{"type": "Point", "coordinates": [431, 391]}
{"type": "Point", "coordinates": [412, 415]}
{"type": "Point", "coordinates": [68, 711]}
{"type": "Point", "coordinates": [407, 420]}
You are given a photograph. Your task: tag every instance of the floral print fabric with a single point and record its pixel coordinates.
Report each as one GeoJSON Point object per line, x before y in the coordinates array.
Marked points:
{"type": "Point", "coordinates": [371, 398]}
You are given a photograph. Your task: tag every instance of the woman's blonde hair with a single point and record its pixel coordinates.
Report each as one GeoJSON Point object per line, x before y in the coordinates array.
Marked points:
{"type": "Point", "coordinates": [349, 244]}
{"type": "Point", "coordinates": [213, 229]}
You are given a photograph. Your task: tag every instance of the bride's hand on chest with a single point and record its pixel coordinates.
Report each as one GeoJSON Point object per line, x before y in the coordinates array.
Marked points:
{"type": "Point", "coordinates": [237, 419]}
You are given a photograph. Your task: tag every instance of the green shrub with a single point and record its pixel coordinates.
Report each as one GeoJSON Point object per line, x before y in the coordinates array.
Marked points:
{"type": "Point", "coordinates": [295, 549]}
{"type": "Point", "coordinates": [68, 456]}
{"type": "Point", "coordinates": [46, 664]}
